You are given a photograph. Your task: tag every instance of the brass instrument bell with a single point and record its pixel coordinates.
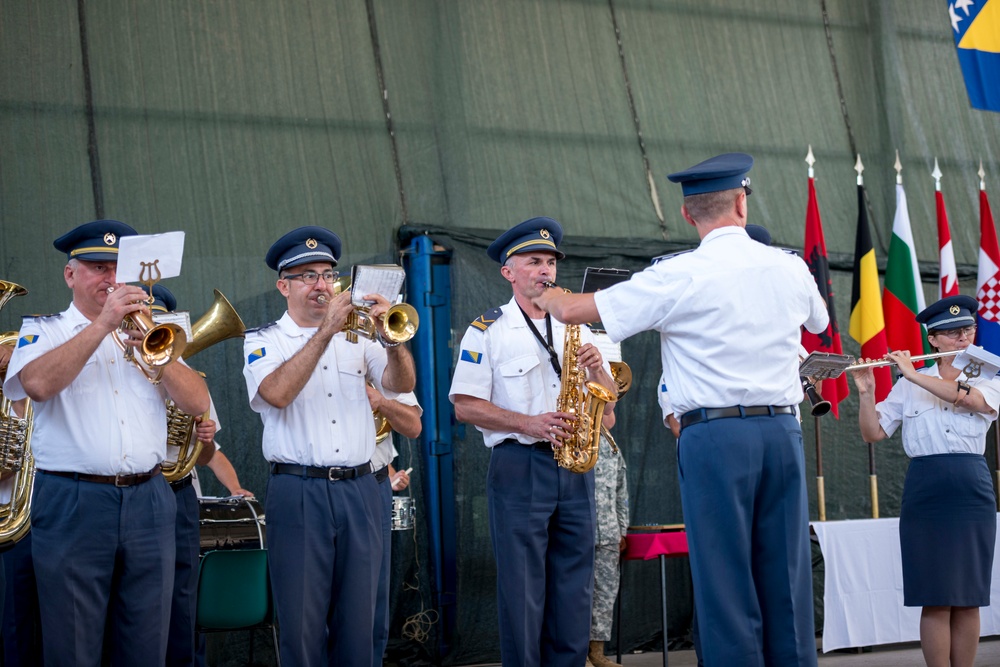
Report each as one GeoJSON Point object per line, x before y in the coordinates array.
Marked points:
{"type": "Point", "coordinates": [161, 344]}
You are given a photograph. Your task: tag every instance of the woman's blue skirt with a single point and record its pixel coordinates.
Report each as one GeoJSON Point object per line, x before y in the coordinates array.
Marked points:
{"type": "Point", "coordinates": [947, 531]}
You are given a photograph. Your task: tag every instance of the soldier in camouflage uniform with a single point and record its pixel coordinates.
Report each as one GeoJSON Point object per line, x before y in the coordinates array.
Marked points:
{"type": "Point", "coordinates": [611, 500]}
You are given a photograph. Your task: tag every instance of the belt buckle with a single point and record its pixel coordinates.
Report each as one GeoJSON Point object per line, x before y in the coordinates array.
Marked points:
{"type": "Point", "coordinates": [329, 474]}
{"type": "Point", "coordinates": [118, 478]}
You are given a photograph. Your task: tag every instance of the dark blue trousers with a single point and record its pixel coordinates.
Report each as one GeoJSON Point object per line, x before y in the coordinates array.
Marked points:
{"type": "Point", "coordinates": [181, 641]}
{"type": "Point", "coordinates": [381, 634]}
{"type": "Point", "coordinates": [324, 555]}
{"type": "Point", "coordinates": [542, 525]}
{"type": "Point", "coordinates": [103, 553]}
{"type": "Point", "coordinates": [22, 630]}
{"type": "Point", "coordinates": [746, 514]}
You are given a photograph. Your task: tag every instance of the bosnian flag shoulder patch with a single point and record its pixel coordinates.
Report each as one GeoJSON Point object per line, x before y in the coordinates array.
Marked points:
{"type": "Point", "coordinates": [28, 340]}
{"type": "Point", "coordinates": [259, 353]}
{"type": "Point", "coordinates": [472, 357]}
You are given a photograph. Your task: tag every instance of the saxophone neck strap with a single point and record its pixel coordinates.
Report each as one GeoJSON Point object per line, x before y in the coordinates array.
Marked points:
{"type": "Point", "coordinates": [544, 342]}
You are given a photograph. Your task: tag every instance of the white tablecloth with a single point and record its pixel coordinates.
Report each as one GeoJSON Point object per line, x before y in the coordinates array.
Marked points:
{"type": "Point", "coordinates": [863, 597]}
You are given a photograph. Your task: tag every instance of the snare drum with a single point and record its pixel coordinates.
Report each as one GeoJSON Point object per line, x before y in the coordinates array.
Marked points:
{"type": "Point", "coordinates": [403, 513]}
{"type": "Point", "coordinates": [231, 523]}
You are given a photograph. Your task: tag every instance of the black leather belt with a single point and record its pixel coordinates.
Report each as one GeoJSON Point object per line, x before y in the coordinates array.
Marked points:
{"type": "Point", "coordinates": [542, 445]}
{"type": "Point", "coordinates": [334, 473]}
{"type": "Point", "coordinates": [708, 414]}
{"type": "Point", "coordinates": [382, 474]}
{"type": "Point", "coordinates": [117, 480]}
{"type": "Point", "coordinates": [182, 484]}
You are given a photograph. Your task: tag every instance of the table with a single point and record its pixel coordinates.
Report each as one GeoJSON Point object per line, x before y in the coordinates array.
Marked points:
{"type": "Point", "coordinates": [646, 543]}
{"type": "Point", "coordinates": [863, 591]}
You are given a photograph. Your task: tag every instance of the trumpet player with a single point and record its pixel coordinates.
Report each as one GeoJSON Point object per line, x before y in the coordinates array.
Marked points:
{"type": "Point", "coordinates": [103, 515]}
{"type": "Point", "coordinates": [507, 383]}
{"type": "Point", "coordinates": [947, 522]}
{"type": "Point", "coordinates": [323, 505]}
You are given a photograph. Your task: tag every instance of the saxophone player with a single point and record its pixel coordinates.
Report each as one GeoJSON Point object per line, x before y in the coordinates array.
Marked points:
{"type": "Point", "coordinates": [507, 384]}
{"type": "Point", "coordinates": [103, 516]}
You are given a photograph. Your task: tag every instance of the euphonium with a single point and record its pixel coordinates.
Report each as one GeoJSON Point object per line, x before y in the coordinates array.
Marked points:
{"type": "Point", "coordinates": [585, 399]}
{"type": "Point", "coordinates": [15, 446]}
{"type": "Point", "coordinates": [220, 322]}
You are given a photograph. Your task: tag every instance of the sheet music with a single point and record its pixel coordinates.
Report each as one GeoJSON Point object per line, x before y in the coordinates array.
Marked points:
{"type": "Point", "coordinates": [181, 318]}
{"type": "Point", "coordinates": [384, 279]}
{"type": "Point", "coordinates": [166, 250]}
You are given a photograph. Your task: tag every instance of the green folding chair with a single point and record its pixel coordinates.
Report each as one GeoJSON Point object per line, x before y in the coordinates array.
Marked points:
{"type": "Point", "coordinates": [234, 594]}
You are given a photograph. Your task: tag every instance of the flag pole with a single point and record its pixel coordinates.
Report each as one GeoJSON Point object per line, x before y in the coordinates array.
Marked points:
{"type": "Point", "coordinates": [996, 430]}
{"type": "Point", "coordinates": [872, 476]}
{"type": "Point", "coordinates": [820, 489]}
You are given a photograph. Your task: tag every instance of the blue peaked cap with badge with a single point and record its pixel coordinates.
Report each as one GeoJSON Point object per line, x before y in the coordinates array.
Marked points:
{"type": "Point", "coordinates": [163, 299]}
{"type": "Point", "coordinates": [722, 172]}
{"type": "Point", "coordinates": [953, 312]}
{"type": "Point", "coordinates": [535, 235]}
{"type": "Point", "coordinates": [95, 241]}
{"type": "Point", "coordinates": [304, 246]}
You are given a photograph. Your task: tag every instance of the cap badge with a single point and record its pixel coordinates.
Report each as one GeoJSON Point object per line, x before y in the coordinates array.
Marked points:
{"type": "Point", "coordinates": [109, 238]}
{"type": "Point", "coordinates": [745, 182]}
{"type": "Point", "coordinates": [954, 310]}
{"type": "Point", "coordinates": [544, 233]}
{"type": "Point", "coordinates": [311, 244]}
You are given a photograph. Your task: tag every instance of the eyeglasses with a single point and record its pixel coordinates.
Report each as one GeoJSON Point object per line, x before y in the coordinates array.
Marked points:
{"type": "Point", "coordinates": [955, 334]}
{"type": "Point", "coordinates": [311, 277]}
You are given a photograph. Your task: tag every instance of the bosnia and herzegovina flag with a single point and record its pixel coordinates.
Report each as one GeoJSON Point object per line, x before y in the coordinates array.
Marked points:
{"type": "Point", "coordinates": [976, 27]}
{"type": "Point", "coordinates": [867, 323]}
{"type": "Point", "coordinates": [988, 280]}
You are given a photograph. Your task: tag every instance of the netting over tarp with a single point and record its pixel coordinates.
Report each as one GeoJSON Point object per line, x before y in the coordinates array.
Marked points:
{"type": "Point", "coordinates": [236, 121]}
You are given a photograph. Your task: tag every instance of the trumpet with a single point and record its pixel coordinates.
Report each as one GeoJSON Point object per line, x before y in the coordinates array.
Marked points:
{"type": "Point", "coordinates": [161, 344]}
{"type": "Point", "coordinates": [400, 321]}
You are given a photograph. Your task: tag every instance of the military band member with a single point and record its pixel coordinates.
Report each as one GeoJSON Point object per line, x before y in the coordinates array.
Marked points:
{"type": "Point", "coordinates": [103, 515]}
{"type": "Point", "coordinates": [729, 315]}
{"type": "Point", "coordinates": [323, 506]}
{"type": "Point", "coordinates": [507, 384]}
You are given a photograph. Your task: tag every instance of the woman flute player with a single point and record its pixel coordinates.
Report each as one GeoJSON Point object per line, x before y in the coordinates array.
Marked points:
{"type": "Point", "coordinates": [947, 522]}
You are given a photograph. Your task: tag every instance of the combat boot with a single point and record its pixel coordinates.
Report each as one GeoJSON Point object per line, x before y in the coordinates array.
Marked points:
{"type": "Point", "coordinates": [597, 657]}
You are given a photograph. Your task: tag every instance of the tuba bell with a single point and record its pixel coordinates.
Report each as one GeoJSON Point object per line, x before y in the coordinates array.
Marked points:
{"type": "Point", "coordinates": [220, 322]}
{"type": "Point", "coordinates": [15, 446]}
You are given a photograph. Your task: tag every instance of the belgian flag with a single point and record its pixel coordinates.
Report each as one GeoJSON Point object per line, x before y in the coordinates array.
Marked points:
{"type": "Point", "coordinates": [867, 322]}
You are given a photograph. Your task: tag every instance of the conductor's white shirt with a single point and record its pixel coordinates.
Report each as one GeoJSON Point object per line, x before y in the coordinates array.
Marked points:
{"type": "Point", "coordinates": [728, 314]}
{"type": "Point", "coordinates": [110, 419]}
{"type": "Point", "coordinates": [330, 421]}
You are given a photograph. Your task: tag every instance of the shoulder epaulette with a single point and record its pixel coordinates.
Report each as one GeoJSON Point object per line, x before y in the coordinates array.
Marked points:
{"type": "Point", "coordinates": [261, 328]}
{"type": "Point", "coordinates": [663, 258]}
{"type": "Point", "coordinates": [40, 317]}
{"type": "Point", "coordinates": [793, 253]}
{"type": "Point", "coordinates": [484, 321]}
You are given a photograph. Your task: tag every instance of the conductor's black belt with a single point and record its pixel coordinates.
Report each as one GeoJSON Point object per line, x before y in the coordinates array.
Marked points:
{"type": "Point", "coordinates": [333, 473]}
{"type": "Point", "coordinates": [382, 474]}
{"type": "Point", "coordinates": [708, 414]}
{"type": "Point", "coordinates": [182, 484]}
{"type": "Point", "coordinates": [542, 445]}
{"type": "Point", "coordinates": [118, 480]}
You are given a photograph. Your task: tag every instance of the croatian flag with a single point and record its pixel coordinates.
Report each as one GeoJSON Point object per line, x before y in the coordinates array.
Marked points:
{"type": "Point", "coordinates": [988, 280]}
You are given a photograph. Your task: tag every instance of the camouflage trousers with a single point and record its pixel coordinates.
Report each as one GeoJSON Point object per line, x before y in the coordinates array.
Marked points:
{"type": "Point", "coordinates": [606, 572]}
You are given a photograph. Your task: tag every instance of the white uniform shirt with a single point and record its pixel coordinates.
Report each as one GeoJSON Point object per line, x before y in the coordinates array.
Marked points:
{"type": "Point", "coordinates": [663, 398]}
{"type": "Point", "coordinates": [728, 314]}
{"type": "Point", "coordinates": [385, 451]}
{"type": "Point", "coordinates": [933, 426]}
{"type": "Point", "coordinates": [507, 366]}
{"type": "Point", "coordinates": [109, 420]}
{"type": "Point", "coordinates": [330, 422]}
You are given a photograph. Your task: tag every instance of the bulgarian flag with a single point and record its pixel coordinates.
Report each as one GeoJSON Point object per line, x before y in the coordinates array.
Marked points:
{"type": "Point", "coordinates": [867, 324]}
{"type": "Point", "coordinates": [988, 280]}
{"type": "Point", "coordinates": [834, 390]}
{"type": "Point", "coordinates": [903, 297]}
{"type": "Point", "coordinates": [948, 274]}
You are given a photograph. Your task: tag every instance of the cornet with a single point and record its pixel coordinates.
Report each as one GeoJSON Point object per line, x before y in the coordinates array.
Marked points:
{"type": "Point", "coordinates": [400, 321]}
{"type": "Point", "coordinates": [161, 344]}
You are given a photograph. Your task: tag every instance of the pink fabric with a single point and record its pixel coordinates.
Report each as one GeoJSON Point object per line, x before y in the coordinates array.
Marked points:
{"type": "Point", "coordinates": [648, 545]}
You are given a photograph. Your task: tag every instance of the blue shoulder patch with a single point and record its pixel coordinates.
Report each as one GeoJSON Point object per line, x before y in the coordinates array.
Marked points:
{"type": "Point", "coordinates": [261, 328]}
{"type": "Point", "coordinates": [484, 321]}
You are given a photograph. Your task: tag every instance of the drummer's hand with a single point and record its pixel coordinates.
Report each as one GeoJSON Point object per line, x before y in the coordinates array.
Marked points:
{"type": "Point", "coordinates": [400, 481]}
{"type": "Point", "coordinates": [242, 492]}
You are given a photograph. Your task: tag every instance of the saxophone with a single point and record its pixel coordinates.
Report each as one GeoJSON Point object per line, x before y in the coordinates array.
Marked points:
{"type": "Point", "coordinates": [585, 399]}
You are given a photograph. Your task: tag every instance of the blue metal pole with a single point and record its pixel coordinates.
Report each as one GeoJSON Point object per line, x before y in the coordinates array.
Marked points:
{"type": "Point", "coordinates": [429, 292]}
